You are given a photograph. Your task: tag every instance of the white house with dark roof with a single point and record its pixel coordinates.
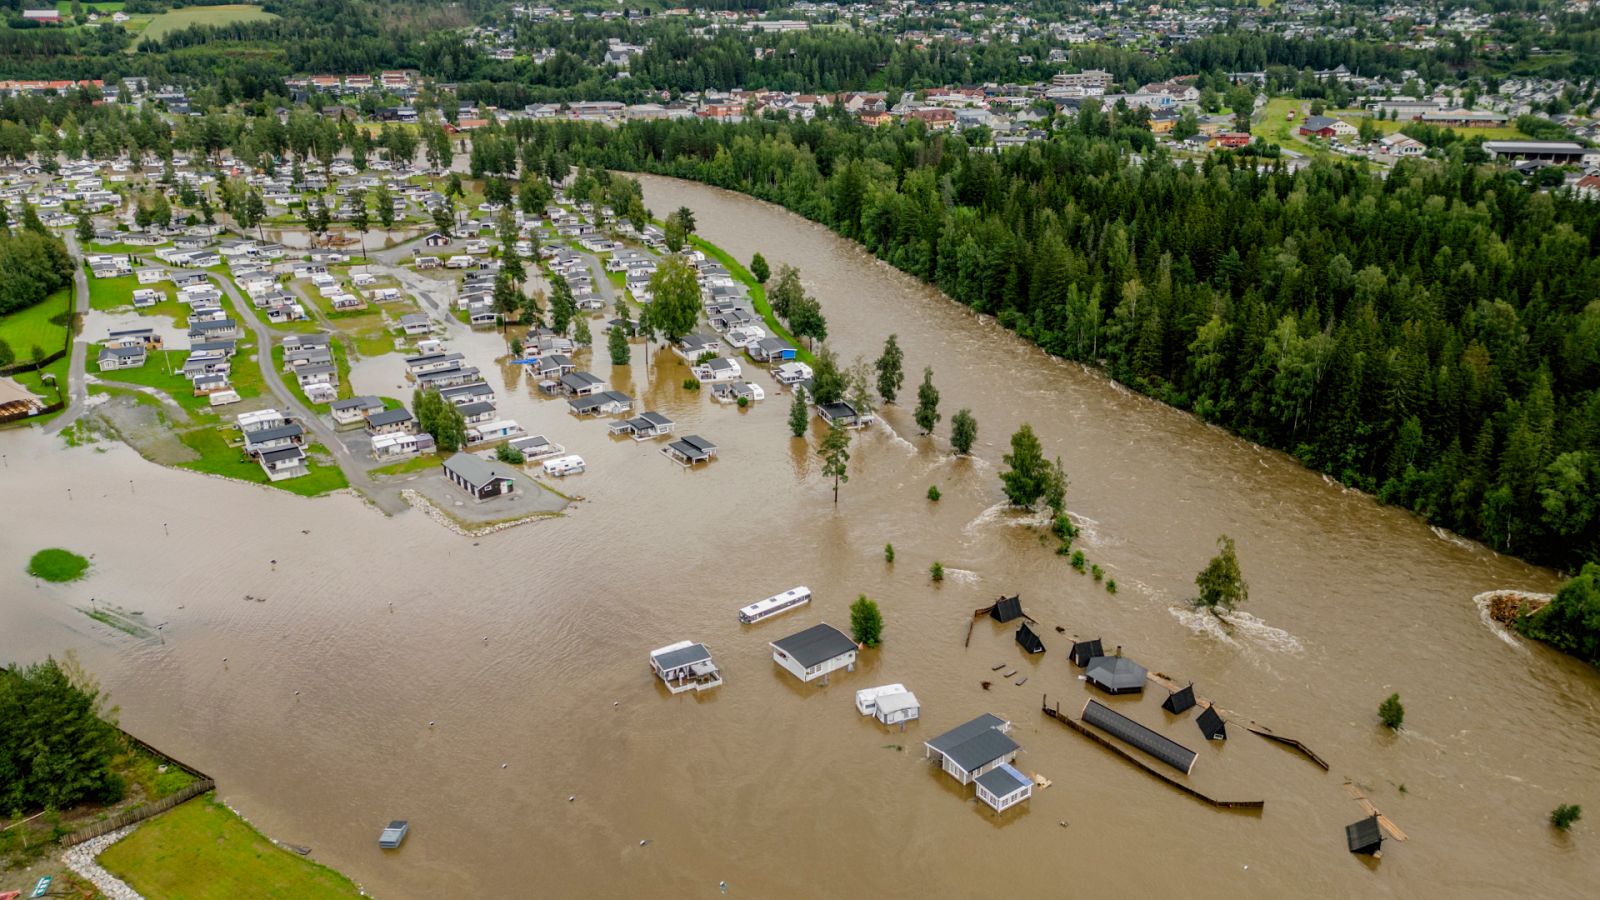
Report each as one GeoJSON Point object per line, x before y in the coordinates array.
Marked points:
{"type": "Point", "coordinates": [814, 652]}
{"type": "Point", "coordinates": [968, 751]}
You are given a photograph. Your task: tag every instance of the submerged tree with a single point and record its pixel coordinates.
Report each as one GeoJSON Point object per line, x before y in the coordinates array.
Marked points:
{"type": "Point", "coordinates": [866, 622]}
{"type": "Point", "coordinates": [617, 344]}
{"type": "Point", "coordinates": [799, 416]}
{"type": "Point", "coordinates": [927, 414]}
{"type": "Point", "coordinates": [963, 431]}
{"type": "Point", "coordinates": [1222, 585]}
{"type": "Point", "coordinates": [676, 292]}
{"type": "Point", "coordinates": [835, 453]}
{"type": "Point", "coordinates": [1391, 713]}
{"type": "Point", "coordinates": [1026, 478]}
{"type": "Point", "coordinates": [890, 366]}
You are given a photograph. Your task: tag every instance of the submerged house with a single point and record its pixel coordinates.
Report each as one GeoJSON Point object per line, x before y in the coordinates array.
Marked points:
{"type": "Point", "coordinates": [1028, 640]}
{"type": "Point", "coordinates": [813, 653]}
{"type": "Point", "coordinates": [1083, 652]}
{"type": "Point", "coordinates": [685, 666]}
{"type": "Point", "coordinates": [890, 704]}
{"type": "Point", "coordinates": [1116, 675]}
{"type": "Point", "coordinates": [1180, 700]}
{"type": "Point", "coordinates": [1211, 725]}
{"type": "Point", "coordinates": [968, 751]}
{"type": "Point", "coordinates": [1004, 787]}
{"type": "Point", "coordinates": [1006, 609]}
{"type": "Point", "coordinates": [1365, 836]}
{"type": "Point", "coordinates": [690, 450]}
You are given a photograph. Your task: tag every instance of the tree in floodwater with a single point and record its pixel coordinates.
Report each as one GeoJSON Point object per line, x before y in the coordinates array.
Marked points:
{"type": "Point", "coordinates": [617, 344]}
{"type": "Point", "coordinates": [799, 417]}
{"type": "Point", "coordinates": [963, 431]}
{"type": "Point", "coordinates": [927, 414]}
{"type": "Point", "coordinates": [1027, 474]}
{"type": "Point", "coordinates": [866, 622]}
{"type": "Point", "coordinates": [828, 381]}
{"type": "Point", "coordinates": [835, 453]}
{"type": "Point", "coordinates": [891, 371]}
{"type": "Point", "coordinates": [676, 292]}
{"type": "Point", "coordinates": [1222, 585]}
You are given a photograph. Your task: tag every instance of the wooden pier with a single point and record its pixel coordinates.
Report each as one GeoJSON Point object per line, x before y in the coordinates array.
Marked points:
{"type": "Point", "coordinates": [1080, 728]}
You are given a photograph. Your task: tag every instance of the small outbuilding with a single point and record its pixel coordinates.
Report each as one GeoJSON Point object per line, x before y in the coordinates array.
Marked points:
{"type": "Point", "coordinates": [1006, 609]}
{"type": "Point", "coordinates": [1028, 640]}
{"type": "Point", "coordinates": [1180, 700]}
{"type": "Point", "coordinates": [813, 653]}
{"type": "Point", "coordinates": [1116, 675]}
{"type": "Point", "coordinates": [1084, 651]}
{"type": "Point", "coordinates": [1211, 725]}
{"type": "Point", "coordinates": [1365, 836]}
{"type": "Point", "coordinates": [481, 478]}
{"type": "Point", "coordinates": [1003, 787]}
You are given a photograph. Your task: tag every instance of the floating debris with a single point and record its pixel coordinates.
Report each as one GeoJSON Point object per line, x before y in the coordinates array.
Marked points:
{"type": "Point", "coordinates": [1023, 681]}
{"type": "Point", "coordinates": [986, 684]}
{"type": "Point", "coordinates": [997, 668]}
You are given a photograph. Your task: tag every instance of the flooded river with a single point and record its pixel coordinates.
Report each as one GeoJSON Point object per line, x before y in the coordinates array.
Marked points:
{"type": "Point", "coordinates": [473, 686]}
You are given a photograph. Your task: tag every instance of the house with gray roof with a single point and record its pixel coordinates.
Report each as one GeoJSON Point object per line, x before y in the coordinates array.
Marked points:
{"type": "Point", "coordinates": [814, 652]}
{"type": "Point", "coordinates": [974, 748]}
{"type": "Point", "coordinates": [482, 479]}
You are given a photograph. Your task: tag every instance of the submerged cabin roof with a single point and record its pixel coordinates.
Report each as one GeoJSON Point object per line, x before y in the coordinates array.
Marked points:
{"type": "Point", "coordinates": [682, 656]}
{"type": "Point", "coordinates": [1084, 651]}
{"type": "Point", "coordinates": [1116, 674]}
{"type": "Point", "coordinates": [1029, 641]}
{"type": "Point", "coordinates": [897, 701]}
{"type": "Point", "coordinates": [1180, 700]}
{"type": "Point", "coordinates": [1118, 725]}
{"type": "Point", "coordinates": [975, 743]}
{"type": "Point", "coordinates": [1006, 608]}
{"type": "Point", "coordinates": [815, 645]}
{"type": "Point", "coordinates": [1003, 780]}
{"type": "Point", "coordinates": [1364, 836]}
{"type": "Point", "coordinates": [1211, 725]}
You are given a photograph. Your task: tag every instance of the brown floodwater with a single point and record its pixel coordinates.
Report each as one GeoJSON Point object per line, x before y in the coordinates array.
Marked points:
{"type": "Point", "coordinates": [783, 790]}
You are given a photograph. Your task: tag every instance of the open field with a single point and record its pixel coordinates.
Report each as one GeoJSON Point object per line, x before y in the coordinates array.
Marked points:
{"type": "Point", "coordinates": [201, 850]}
{"type": "Point", "coordinates": [1387, 126]}
{"type": "Point", "coordinates": [43, 325]}
{"type": "Point", "coordinates": [179, 19]}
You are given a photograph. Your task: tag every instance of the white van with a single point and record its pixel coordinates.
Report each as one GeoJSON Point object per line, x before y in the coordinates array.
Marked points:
{"type": "Point", "coordinates": [562, 466]}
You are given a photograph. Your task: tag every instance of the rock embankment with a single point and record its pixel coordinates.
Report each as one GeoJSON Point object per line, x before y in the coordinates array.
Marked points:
{"type": "Point", "coordinates": [81, 859]}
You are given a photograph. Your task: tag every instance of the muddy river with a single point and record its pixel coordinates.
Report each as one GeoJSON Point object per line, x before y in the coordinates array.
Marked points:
{"type": "Point", "coordinates": [473, 686]}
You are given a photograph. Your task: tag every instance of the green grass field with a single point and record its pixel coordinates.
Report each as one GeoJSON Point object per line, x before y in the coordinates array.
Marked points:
{"type": "Point", "coordinates": [1387, 126]}
{"type": "Point", "coordinates": [200, 850]}
{"type": "Point", "coordinates": [58, 565]}
{"type": "Point", "coordinates": [758, 296]}
{"type": "Point", "coordinates": [112, 293]}
{"type": "Point", "coordinates": [179, 19]}
{"type": "Point", "coordinates": [43, 325]}
{"type": "Point", "coordinates": [424, 463]}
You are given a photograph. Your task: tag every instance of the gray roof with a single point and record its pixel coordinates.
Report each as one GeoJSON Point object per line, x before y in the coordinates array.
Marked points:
{"type": "Point", "coordinates": [364, 402]}
{"type": "Point", "coordinates": [476, 471]}
{"type": "Point", "coordinates": [388, 417]}
{"type": "Point", "coordinates": [1000, 781]}
{"type": "Point", "coordinates": [975, 743]}
{"type": "Point", "coordinates": [815, 645]}
{"type": "Point", "coordinates": [1116, 673]}
{"type": "Point", "coordinates": [699, 443]}
{"type": "Point", "coordinates": [1161, 747]}
{"type": "Point", "coordinates": [683, 656]}
{"type": "Point", "coordinates": [284, 453]}
{"type": "Point", "coordinates": [263, 435]}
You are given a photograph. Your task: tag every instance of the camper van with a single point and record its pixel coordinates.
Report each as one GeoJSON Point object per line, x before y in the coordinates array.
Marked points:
{"type": "Point", "coordinates": [562, 466]}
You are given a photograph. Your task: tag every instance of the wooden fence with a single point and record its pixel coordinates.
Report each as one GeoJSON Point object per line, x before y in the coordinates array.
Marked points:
{"type": "Point", "coordinates": [139, 814]}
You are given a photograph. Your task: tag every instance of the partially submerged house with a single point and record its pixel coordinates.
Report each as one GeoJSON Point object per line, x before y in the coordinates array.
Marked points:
{"type": "Point", "coordinates": [690, 450]}
{"type": "Point", "coordinates": [1365, 836]}
{"type": "Point", "coordinates": [685, 666]}
{"type": "Point", "coordinates": [969, 750]}
{"type": "Point", "coordinates": [1006, 609]}
{"type": "Point", "coordinates": [1120, 726]}
{"type": "Point", "coordinates": [813, 653]}
{"type": "Point", "coordinates": [644, 426]}
{"type": "Point", "coordinates": [1116, 674]}
{"type": "Point", "coordinates": [1028, 640]}
{"type": "Point", "coordinates": [1083, 652]}
{"type": "Point", "coordinates": [890, 704]}
{"type": "Point", "coordinates": [483, 479]}
{"type": "Point", "coordinates": [1180, 700]}
{"type": "Point", "coordinates": [1211, 724]}
{"type": "Point", "coordinates": [1004, 787]}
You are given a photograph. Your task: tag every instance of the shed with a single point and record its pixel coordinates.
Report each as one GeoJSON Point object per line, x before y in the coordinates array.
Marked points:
{"type": "Point", "coordinates": [1029, 641]}
{"type": "Point", "coordinates": [1120, 726]}
{"type": "Point", "coordinates": [1364, 836]}
{"type": "Point", "coordinates": [1211, 725]}
{"type": "Point", "coordinates": [1004, 786]}
{"type": "Point", "coordinates": [1180, 700]}
{"type": "Point", "coordinates": [1116, 674]}
{"type": "Point", "coordinates": [1006, 608]}
{"type": "Point", "coordinates": [1084, 651]}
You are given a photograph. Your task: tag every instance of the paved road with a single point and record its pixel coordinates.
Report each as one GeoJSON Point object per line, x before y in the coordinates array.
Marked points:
{"type": "Point", "coordinates": [77, 386]}
{"type": "Point", "coordinates": [387, 499]}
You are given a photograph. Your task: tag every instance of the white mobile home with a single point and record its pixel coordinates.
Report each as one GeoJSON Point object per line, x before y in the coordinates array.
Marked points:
{"type": "Point", "coordinates": [815, 652]}
{"type": "Point", "coordinates": [890, 704]}
{"type": "Point", "coordinates": [685, 666]}
{"type": "Point", "coordinates": [970, 750]}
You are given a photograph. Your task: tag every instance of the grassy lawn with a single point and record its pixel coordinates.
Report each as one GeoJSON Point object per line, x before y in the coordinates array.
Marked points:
{"type": "Point", "coordinates": [42, 325]}
{"type": "Point", "coordinates": [758, 296]}
{"type": "Point", "coordinates": [201, 850]}
{"type": "Point", "coordinates": [106, 294]}
{"type": "Point", "coordinates": [37, 383]}
{"type": "Point", "coordinates": [424, 463]}
{"type": "Point", "coordinates": [1498, 133]}
{"type": "Point", "coordinates": [217, 457]}
{"type": "Point", "coordinates": [1276, 128]}
{"type": "Point", "coordinates": [179, 19]}
{"type": "Point", "coordinates": [137, 250]}
{"type": "Point", "coordinates": [154, 374]}
{"type": "Point", "coordinates": [58, 565]}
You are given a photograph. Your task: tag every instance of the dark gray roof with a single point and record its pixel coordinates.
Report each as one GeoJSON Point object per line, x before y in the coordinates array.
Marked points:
{"type": "Point", "coordinates": [273, 456]}
{"type": "Point", "coordinates": [683, 656]}
{"type": "Point", "coordinates": [1117, 674]}
{"type": "Point", "coordinates": [1179, 700]}
{"type": "Point", "coordinates": [815, 645]}
{"type": "Point", "coordinates": [1118, 725]}
{"type": "Point", "coordinates": [1000, 781]}
{"type": "Point", "coordinates": [1006, 608]}
{"type": "Point", "coordinates": [1211, 725]}
{"type": "Point", "coordinates": [388, 417]}
{"type": "Point", "coordinates": [1364, 836]}
{"type": "Point", "coordinates": [975, 743]}
{"type": "Point", "coordinates": [363, 402]}
{"type": "Point", "coordinates": [1084, 651]}
{"type": "Point", "coordinates": [476, 471]}
{"type": "Point", "coordinates": [263, 435]}
{"type": "Point", "coordinates": [699, 443]}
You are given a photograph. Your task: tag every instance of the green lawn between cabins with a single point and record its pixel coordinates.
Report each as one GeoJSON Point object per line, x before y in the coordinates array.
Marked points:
{"type": "Point", "coordinates": [424, 463]}
{"type": "Point", "coordinates": [758, 294]}
{"type": "Point", "coordinates": [43, 325]}
{"type": "Point", "coordinates": [200, 850]}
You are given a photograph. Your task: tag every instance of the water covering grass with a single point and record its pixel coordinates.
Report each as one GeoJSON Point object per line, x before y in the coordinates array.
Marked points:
{"type": "Point", "coordinates": [58, 565]}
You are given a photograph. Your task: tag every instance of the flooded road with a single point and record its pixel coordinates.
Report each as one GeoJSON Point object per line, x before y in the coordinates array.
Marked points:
{"type": "Point", "coordinates": [782, 790]}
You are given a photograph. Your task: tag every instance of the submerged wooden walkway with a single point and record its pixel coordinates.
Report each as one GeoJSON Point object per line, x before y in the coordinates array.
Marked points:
{"type": "Point", "coordinates": [1067, 720]}
{"type": "Point", "coordinates": [1247, 723]}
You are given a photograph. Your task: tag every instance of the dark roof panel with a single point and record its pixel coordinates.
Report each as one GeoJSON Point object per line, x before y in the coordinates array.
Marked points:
{"type": "Point", "coordinates": [1118, 725]}
{"type": "Point", "coordinates": [1364, 836]}
{"type": "Point", "coordinates": [816, 644]}
{"type": "Point", "coordinates": [1211, 725]}
{"type": "Point", "coordinates": [1180, 700]}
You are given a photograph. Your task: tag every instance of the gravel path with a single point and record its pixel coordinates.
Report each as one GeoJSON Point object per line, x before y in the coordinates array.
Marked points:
{"type": "Point", "coordinates": [81, 859]}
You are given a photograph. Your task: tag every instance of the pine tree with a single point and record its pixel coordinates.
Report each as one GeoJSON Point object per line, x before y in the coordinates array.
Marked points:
{"type": "Point", "coordinates": [760, 269]}
{"type": "Point", "coordinates": [890, 366]}
{"type": "Point", "coordinates": [927, 414]}
{"type": "Point", "coordinates": [1024, 480]}
{"type": "Point", "coordinates": [617, 345]}
{"type": "Point", "coordinates": [799, 416]}
{"type": "Point", "coordinates": [835, 453]}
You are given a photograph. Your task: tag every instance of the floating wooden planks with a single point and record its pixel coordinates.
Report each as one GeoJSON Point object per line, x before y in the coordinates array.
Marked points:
{"type": "Point", "coordinates": [1066, 719]}
{"type": "Point", "coordinates": [1370, 809]}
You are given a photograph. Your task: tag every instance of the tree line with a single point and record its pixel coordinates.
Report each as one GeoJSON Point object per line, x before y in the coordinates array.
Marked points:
{"type": "Point", "coordinates": [1429, 337]}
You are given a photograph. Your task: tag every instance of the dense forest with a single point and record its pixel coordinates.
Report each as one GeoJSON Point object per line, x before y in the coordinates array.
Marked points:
{"type": "Point", "coordinates": [1432, 337]}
